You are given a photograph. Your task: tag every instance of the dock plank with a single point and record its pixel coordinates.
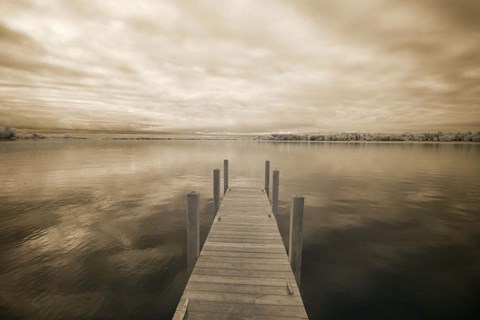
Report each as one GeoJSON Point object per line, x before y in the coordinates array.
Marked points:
{"type": "Point", "coordinates": [239, 310]}
{"type": "Point", "coordinates": [285, 300]}
{"type": "Point", "coordinates": [243, 266]}
{"type": "Point", "coordinates": [238, 288]}
{"type": "Point", "coordinates": [233, 254]}
{"type": "Point", "coordinates": [242, 273]}
{"type": "Point", "coordinates": [249, 259]}
{"type": "Point", "coordinates": [278, 282]}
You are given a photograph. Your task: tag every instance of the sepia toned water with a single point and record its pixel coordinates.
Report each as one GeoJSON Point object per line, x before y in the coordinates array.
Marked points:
{"type": "Point", "coordinates": [96, 229]}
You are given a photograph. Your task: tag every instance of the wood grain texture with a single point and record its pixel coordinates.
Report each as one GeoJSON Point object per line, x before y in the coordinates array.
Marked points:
{"type": "Point", "coordinates": [296, 236]}
{"type": "Point", "coordinates": [276, 191]}
{"type": "Point", "coordinates": [267, 177]}
{"type": "Point", "coordinates": [225, 176]}
{"type": "Point", "coordinates": [243, 270]}
{"type": "Point", "coordinates": [193, 230]}
{"type": "Point", "coordinates": [216, 191]}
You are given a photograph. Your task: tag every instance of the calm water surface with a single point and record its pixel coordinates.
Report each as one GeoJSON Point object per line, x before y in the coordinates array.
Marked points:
{"type": "Point", "coordinates": [96, 229]}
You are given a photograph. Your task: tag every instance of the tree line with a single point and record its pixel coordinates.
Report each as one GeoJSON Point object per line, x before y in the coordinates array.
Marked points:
{"type": "Point", "coordinates": [364, 136]}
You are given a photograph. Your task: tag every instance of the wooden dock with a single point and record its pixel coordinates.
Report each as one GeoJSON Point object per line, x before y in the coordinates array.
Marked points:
{"type": "Point", "coordinates": [243, 271]}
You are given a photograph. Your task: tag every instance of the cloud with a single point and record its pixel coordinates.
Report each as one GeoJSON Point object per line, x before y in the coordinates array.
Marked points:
{"type": "Point", "coordinates": [240, 65]}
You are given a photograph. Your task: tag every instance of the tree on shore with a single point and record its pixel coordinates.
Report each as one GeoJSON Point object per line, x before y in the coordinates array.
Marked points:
{"type": "Point", "coordinates": [8, 133]}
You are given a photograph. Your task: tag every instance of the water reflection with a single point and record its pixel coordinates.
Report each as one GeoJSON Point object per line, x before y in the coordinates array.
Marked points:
{"type": "Point", "coordinates": [96, 229]}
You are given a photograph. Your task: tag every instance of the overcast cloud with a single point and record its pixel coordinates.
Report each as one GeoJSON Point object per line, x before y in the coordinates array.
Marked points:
{"type": "Point", "coordinates": [241, 66]}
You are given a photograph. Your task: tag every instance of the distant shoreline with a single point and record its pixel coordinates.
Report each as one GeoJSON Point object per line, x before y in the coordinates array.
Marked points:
{"type": "Point", "coordinates": [40, 137]}
{"type": "Point", "coordinates": [240, 139]}
{"type": "Point", "coordinates": [368, 142]}
{"type": "Point", "coordinates": [374, 137]}
{"type": "Point", "coordinates": [356, 137]}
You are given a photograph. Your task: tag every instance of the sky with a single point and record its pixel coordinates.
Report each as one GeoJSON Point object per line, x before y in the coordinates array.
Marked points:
{"type": "Point", "coordinates": [240, 66]}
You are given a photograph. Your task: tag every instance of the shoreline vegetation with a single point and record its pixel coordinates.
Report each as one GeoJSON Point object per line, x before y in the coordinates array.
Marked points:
{"type": "Point", "coordinates": [376, 137]}
{"type": "Point", "coordinates": [9, 133]}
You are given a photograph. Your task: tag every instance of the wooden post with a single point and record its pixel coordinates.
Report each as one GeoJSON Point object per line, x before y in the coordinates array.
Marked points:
{"type": "Point", "coordinates": [275, 187]}
{"type": "Point", "coordinates": [296, 237]}
{"type": "Point", "coordinates": [193, 231]}
{"type": "Point", "coordinates": [216, 191]}
{"type": "Point", "coordinates": [267, 178]}
{"type": "Point", "coordinates": [225, 176]}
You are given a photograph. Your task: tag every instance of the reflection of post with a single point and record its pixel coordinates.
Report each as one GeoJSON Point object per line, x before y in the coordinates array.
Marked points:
{"type": "Point", "coordinates": [267, 178]}
{"type": "Point", "coordinates": [216, 191]}
{"type": "Point", "coordinates": [225, 176]}
{"type": "Point", "coordinates": [193, 231]}
{"type": "Point", "coordinates": [296, 236]}
{"type": "Point", "coordinates": [275, 187]}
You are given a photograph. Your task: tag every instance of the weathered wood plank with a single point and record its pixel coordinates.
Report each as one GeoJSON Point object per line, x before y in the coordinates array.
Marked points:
{"type": "Point", "coordinates": [245, 225]}
{"type": "Point", "coordinates": [234, 231]}
{"type": "Point", "coordinates": [249, 259]}
{"type": "Point", "coordinates": [238, 288]}
{"type": "Point", "coordinates": [262, 255]}
{"type": "Point", "coordinates": [239, 231]}
{"type": "Point", "coordinates": [245, 232]}
{"type": "Point", "coordinates": [179, 312]}
{"type": "Point", "coordinates": [201, 263]}
{"type": "Point", "coordinates": [285, 300]}
{"type": "Point", "coordinates": [277, 282]}
{"type": "Point", "coordinates": [263, 218]}
{"type": "Point", "coordinates": [245, 245]}
{"type": "Point", "coordinates": [276, 250]}
{"type": "Point", "coordinates": [234, 222]}
{"type": "Point", "coordinates": [233, 234]}
{"type": "Point", "coordinates": [260, 217]}
{"type": "Point", "coordinates": [225, 316]}
{"type": "Point", "coordinates": [252, 310]}
{"type": "Point", "coordinates": [248, 214]}
{"type": "Point", "coordinates": [245, 240]}
{"type": "Point", "coordinates": [243, 273]}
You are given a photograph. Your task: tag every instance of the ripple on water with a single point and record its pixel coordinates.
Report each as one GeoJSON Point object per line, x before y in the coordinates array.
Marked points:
{"type": "Point", "coordinates": [96, 229]}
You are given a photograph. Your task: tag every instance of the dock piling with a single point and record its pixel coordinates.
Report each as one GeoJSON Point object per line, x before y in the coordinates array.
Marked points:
{"type": "Point", "coordinates": [193, 230]}
{"type": "Point", "coordinates": [225, 176]}
{"type": "Point", "coordinates": [275, 187]}
{"type": "Point", "coordinates": [296, 237]}
{"type": "Point", "coordinates": [216, 191]}
{"type": "Point", "coordinates": [267, 178]}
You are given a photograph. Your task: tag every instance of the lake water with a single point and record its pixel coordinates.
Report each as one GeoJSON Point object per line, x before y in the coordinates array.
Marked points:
{"type": "Point", "coordinates": [96, 229]}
